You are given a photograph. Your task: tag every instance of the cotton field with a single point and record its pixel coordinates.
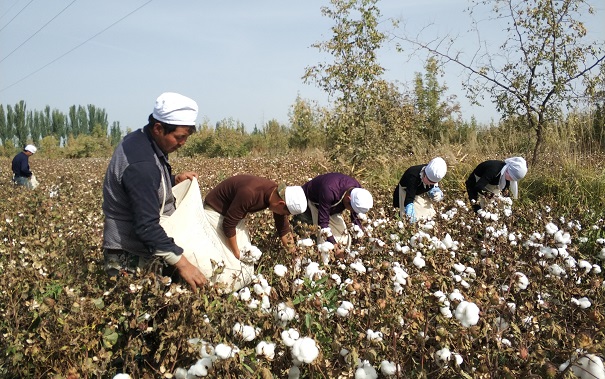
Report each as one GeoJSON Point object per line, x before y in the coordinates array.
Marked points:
{"type": "Point", "coordinates": [516, 290]}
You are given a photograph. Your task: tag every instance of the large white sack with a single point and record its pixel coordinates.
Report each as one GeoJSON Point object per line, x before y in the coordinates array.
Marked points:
{"type": "Point", "coordinates": [190, 229]}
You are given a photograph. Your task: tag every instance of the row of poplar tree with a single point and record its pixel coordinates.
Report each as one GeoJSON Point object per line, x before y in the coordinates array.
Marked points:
{"type": "Point", "coordinates": [18, 125]}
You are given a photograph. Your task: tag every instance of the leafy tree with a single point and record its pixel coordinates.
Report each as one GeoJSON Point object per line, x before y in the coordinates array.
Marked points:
{"type": "Point", "coordinates": [305, 127]}
{"type": "Point", "coordinates": [82, 122]}
{"type": "Point", "coordinates": [9, 133]}
{"type": "Point", "coordinates": [58, 125]}
{"type": "Point", "coordinates": [353, 76]}
{"type": "Point", "coordinates": [3, 125]}
{"type": "Point", "coordinates": [46, 123]}
{"type": "Point", "coordinates": [34, 122]}
{"type": "Point", "coordinates": [432, 111]}
{"type": "Point", "coordinates": [21, 129]}
{"type": "Point", "coordinates": [276, 136]}
{"type": "Point", "coordinates": [543, 64]}
{"type": "Point", "coordinates": [73, 127]}
{"type": "Point", "coordinates": [115, 135]}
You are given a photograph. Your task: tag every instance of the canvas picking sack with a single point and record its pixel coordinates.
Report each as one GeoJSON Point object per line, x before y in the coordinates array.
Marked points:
{"type": "Point", "coordinates": [190, 229]}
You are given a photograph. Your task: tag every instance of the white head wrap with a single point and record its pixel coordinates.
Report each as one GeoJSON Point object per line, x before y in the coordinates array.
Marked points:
{"type": "Point", "coordinates": [175, 109]}
{"type": "Point", "coordinates": [516, 167]}
{"type": "Point", "coordinates": [295, 199]}
{"type": "Point", "coordinates": [361, 200]}
{"type": "Point", "coordinates": [31, 148]}
{"type": "Point", "coordinates": [436, 169]}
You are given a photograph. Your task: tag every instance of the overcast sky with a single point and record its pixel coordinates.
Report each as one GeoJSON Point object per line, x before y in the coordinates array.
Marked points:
{"type": "Point", "coordinates": [242, 59]}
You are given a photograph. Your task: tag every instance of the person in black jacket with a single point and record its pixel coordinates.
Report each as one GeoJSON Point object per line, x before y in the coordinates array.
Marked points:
{"type": "Point", "coordinates": [22, 175]}
{"type": "Point", "coordinates": [418, 189]}
{"type": "Point", "coordinates": [492, 177]}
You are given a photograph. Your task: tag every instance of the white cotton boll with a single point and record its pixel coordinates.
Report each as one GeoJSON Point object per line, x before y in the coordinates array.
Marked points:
{"type": "Point", "coordinates": [456, 295]}
{"type": "Point", "coordinates": [266, 349]}
{"type": "Point", "coordinates": [556, 270]}
{"type": "Point", "coordinates": [284, 313]}
{"type": "Point", "coordinates": [344, 308]}
{"type": "Point", "coordinates": [512, 307]}
{"type": "Point", "coordinates": [596, 269]}
{"type": "Point", "coordinates": [358, 266]}
{"type": "Point", "coordinates": [442, 357]}
{"type": "Point", "coordinates": [467, 313]}
{"type": "Point", "coordinates": [470, 272]}
{"type": "Point", "coordinates": [200, 368]}
{"type": "Point", "coordinates": [521, 281]}
{"type": "Point", "coordinates": [446, 312]}
{"type": "Point", "coordinates": [365, 371]}
{"type": "Point", "coordinates": [307, 242]}
{"type": "Point", "coordinates": [244, 294]}
{"type": "Point", "coordinates": [374, 335]}
{"type": "Point", "coordinates": [447, 241]}
{"type": "Point", "coordinates": [506, 342]}
{"type": "Point", "coordinates": [336, 278]}
{"type": "Point", "coordinates": [253, 304]}
{"type": "Point", "coordinates": [571, 262]}
{"type": "Point", "coordinates": [549, 252]}
{"type": "Point", "coordinates": [280, 270]}
{"type": "Point", "coordinates": [562, 238]}
{"type": "Point", "coordinates": [551, 228]}
{"type": "Point", "coordinates": [225, 351]}
{"type": "Point", "coordinates": [464, 284]}
{"type": "Point", "coordinates": [313, 272]}
{"type": "Point", "coordinates": [207, 350]}
{"type": "Point", "coordinates": [583, 302]}
{"type": "Point", "coordinates": [419, 261]}
{"type": "Point", "coordinates": [585, 265]}
{"type": "Point", "coordinates": [388, 368]}
{"type": "Point", "coordinates": [305, 350]}
{"type": "Point", "coordinates": [294, 372]}
{"type": "Point", "coordinates": [265, 302]}
{"type": "Point", "coordinates": [180, 373]}
{"type": "Point", "coordinates": [290, 336]}
{"type": "Point", "coordinates": [400, 276]}
{"type": "Point", "coordinates": [459, 267]}
{"type": "Point", "coordinates": [327, 232]}
{"type": "Point", "coordinates": [508, 212]}
{"type": "Point", "coordinates": [440, 296]}
{"type": "Point", "coordinates": [589, 366]}
{"type": "Point", "coordinates": [253, 253]}
{"type": "Point", "coordinates": [122, 376]}
{"type": "Point", "coordinates": [258, 289]}
{"type": "Point", "coordinates": [245, 332]}
{"type": "Point", "coordinates": [458, 358]}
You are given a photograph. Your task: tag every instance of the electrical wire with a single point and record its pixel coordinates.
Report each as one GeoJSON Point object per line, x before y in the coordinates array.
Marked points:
{"type": "Point", "coordinates": [74, 48]}
{"type": "Point", "coordinates": [15, 16]}
{"type": "Point", "coordinates": [9, 9]}
{"type": "Point", "coordinates": [37, 31]}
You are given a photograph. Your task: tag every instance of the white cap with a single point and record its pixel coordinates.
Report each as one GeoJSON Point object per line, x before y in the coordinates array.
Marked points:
{"type": "Point", "coordinates": [175, 109]}
{"type": "Point", "coordinates": [295, 198]}
{"type": "Point", "coordinates": [361, 200]}
{"type": "Point", "coordinates": [31, 148]}
{"type": "Point", "coordinates": [436, 169]}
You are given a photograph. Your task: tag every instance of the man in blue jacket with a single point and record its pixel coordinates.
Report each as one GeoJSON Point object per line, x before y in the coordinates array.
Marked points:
{"type": "Point", "coordinates": [137, 191]}
{"type": "Point", "coordinates": [21, 172]}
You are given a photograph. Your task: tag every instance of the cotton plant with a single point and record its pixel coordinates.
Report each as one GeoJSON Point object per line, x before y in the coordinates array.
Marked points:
{"type": "Point", "coordinates": [251, 254]}
{"type": "Point", "coordinates": [266, 350]}
{"type": "Point", "coordinates": [467, 313]}
{"type": "Point", "coordinates": [374, 336]}
{"type": "Point", "coordinates": [284, 314]}
{"type": "Point", "coordinates": [388, 368]}
{"type": "Point", "coordinates": [245, 332]}
{"type": "Point", "coordinates": [290, 336]}
{"type": "Point", "coordinates": [304, 350]}
{"type": "Point", "coordinates": [344, 308]}
{"type": "Point", "coordinates": [587, 366]}
{"type": "Point", "coordinates": [365, 371]}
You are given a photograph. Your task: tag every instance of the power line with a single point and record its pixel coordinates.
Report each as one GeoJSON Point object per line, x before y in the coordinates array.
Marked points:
{"type": "Point", "coordinates": [15, 16]}
{"type": "Point", "coordinates": [9, 9]}
{"type": "Point", "coordinates": [37, 31]}
{"type": "Point", "coordinates": [74, 48]}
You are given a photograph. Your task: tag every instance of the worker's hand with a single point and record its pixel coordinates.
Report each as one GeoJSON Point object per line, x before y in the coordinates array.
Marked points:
{"type": "Point", "coordinates": [409, 211]}
{"type": "Point", "coordinates": [190, 274]}
{"type": "Point", "coordinates": [339, 251]}
{"type": "Point", "coordinates": [436, 194]}
{"type": "Point", "coordinates": [184, 176]}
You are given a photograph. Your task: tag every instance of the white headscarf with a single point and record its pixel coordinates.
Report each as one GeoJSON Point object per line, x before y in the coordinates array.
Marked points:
{"type": "Point", "coordinates": [516, 167]}
{"type": "Point", "coordinates": [295, 199]}
{"type": "Point", "coordinates": [361, 200]}
{"type": "Point", "coordinates": [436, 169]}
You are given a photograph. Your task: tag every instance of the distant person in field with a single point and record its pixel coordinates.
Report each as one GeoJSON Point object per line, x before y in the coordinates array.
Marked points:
{"type": "Point", "coordinates": [329, 195]}
{"type": "Point", "coordinates": [137, 191]}
{"type": "Point", "coordinates": [492, 177]}
{"type": "Point", "coordinates": [22, 175]}
{"type": "Point", "coordinates": [228, 204]}
{"type": "Point", "coordinates": [418, 189]}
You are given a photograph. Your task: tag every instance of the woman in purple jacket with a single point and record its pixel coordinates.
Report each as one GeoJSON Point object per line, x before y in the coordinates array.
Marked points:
{"type": "Point", "coordinates": [328, 196]}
